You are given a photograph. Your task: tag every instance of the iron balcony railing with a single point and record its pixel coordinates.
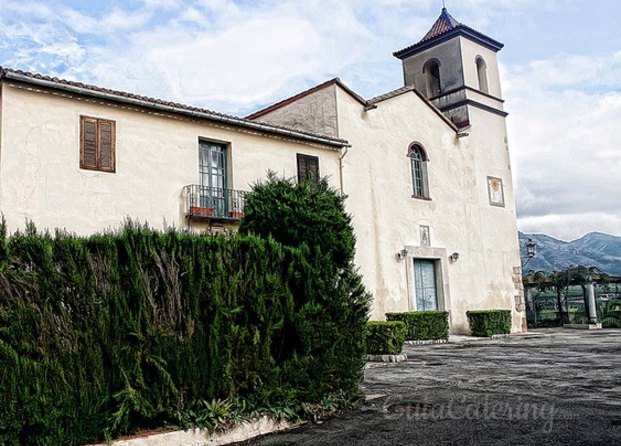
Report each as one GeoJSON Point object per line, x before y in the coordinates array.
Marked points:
{"type": "Point", "coordinates": [214, 202]}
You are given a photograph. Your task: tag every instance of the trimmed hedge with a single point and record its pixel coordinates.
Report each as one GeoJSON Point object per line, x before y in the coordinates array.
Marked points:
{"type": "Point", "coordinates": [423, 325]}
{"type": "Point", "coordinates": [103, 335]}
{"type": "Point", "coordinates": [385, 338]}
{"type": "Point", "coordinates": [487, 323]}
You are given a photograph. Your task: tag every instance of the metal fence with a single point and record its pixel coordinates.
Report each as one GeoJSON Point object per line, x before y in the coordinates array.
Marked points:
{"type": "Point", "coordinates": [214, 203]}
{"type": "Point", "coordinates": [547, 310]}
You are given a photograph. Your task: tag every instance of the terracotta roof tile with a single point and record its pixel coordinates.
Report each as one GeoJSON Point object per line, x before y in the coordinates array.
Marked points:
{"type": "Point", "coordinates": [443, 26]}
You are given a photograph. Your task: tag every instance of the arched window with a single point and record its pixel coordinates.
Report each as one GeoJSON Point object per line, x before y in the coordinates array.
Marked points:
{"type": "Point", "coordinates": [482, 74]}
{"type": "Point", "coordinates": [418, 164]}
{"type": "Point", "coordinates": [432, 70]}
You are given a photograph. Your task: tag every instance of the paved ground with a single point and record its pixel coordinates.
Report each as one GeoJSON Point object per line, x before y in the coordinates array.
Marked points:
{"type": "Point", "coordinates": [559, 387]}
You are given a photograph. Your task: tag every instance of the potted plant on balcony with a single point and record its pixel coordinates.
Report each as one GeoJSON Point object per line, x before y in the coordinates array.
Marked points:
{"type": "Point", "coordinates": [198, 211]}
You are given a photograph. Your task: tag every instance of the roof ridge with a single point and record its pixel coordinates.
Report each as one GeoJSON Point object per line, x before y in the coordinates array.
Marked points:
{"type": "Point", "coordinates": [448, 18]}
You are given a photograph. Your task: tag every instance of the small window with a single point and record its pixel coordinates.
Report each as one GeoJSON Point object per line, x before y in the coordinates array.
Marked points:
{"type": "Point", "coordinates": [434, 85]}
{"type": "Point", "coordinates": [97, 143]}
{"type": "Point", "coordinates": [308, 167]}
{"type": "Point", "coordinates": [482, 75]}
{"type": "Point", "coordinates": [418, 162]}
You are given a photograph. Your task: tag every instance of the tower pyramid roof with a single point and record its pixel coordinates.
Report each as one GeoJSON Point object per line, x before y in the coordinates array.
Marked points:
{"type": "Point", "coordinates": [444, 24]}
{"type": "Point", "coordinates": [445, 28]}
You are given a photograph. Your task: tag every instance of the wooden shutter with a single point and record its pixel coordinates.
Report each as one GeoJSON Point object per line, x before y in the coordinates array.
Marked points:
{"type": "Point", "coordinates": [106, 145]}
{"type": "Point", "coordinates": [302, 168]}
{"type": "Point", "coordinates": [88, 152]}
{"type": "Point", "coordinates": [97, 143]}
{"type": "Point", "coordinates": [308, 167]}
{"type": "Point", "coordinates": [313, 168]}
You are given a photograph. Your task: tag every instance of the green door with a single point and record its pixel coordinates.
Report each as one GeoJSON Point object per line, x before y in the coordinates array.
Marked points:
{"type": "Point", "coordinates": [425, 281]}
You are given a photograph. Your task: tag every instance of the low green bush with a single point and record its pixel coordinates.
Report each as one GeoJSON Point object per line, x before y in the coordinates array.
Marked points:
{"type": "Point", "coordinates": [423, 325]}
{"type": "Point", "coordinates": [385, 338]}
{"type": "Point", "coordinates": [489, 322]}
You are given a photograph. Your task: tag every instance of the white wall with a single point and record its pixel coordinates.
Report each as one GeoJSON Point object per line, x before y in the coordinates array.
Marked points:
{"type": "Point", "coordinates": [156, 156]}
{"type": "Point", "coordinates": [386, 218]}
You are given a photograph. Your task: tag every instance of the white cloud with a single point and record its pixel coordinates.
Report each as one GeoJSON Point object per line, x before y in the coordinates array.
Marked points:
{"type": "Point", "coordinates": [572, 226]}
{"type": "Point", "coordinates": [215, 54]}
{"type": "Point", "coordinates": [116, 20]}
{"type": "Point", "coordinates": [565, 115]}
{"type": "Point", "coordinates": [239, 66]}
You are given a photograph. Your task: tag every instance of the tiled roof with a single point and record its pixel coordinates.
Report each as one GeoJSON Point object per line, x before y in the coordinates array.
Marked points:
{"type": "Point", "coordinates": [445, 27]}
{"type": "Point", "coordinates": [173, 107]}
{"type": "Point", "coordinates": [444, 24]}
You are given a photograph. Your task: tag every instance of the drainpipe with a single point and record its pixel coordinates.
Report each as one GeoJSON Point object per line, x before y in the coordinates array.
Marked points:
{"type": "Point", "coordinates": [343, 153]}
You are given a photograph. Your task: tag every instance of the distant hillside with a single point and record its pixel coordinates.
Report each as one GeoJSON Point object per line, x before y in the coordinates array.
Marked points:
{"type": "Point", "coordinates": [594, 249]}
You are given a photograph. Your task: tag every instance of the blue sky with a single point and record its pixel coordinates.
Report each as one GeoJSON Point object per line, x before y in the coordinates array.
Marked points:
{"type": "Point", "coordinates": [561, 70]}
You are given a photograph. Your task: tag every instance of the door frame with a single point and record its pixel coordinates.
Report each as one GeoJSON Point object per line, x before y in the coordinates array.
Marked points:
{"type": "Point", "coordinates": [440, 258]}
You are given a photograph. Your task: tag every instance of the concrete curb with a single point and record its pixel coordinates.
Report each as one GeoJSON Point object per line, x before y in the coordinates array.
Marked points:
{"type": "Point", "coordinates": [583, 326]}
{"type": "Point", "coordinates": [198, 437]}
{"type": "Point", "coordinates": [427, 342]}
{"type": "Point", "coordinates": [387, 358]}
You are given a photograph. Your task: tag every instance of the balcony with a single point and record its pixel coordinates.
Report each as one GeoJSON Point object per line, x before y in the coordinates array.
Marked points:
{"type": "Point", "coordinates": [212, 203]}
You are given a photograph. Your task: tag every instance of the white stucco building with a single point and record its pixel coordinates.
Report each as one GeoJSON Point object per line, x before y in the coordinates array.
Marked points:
{"type": "Point", "coordinates": [426, 168]}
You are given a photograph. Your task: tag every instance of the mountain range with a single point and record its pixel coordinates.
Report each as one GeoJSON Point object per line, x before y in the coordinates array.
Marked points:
{"type": "Point", "coordinates": [594, 249]}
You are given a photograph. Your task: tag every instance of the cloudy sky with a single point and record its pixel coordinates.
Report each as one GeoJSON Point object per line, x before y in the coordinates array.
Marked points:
{"type": "Point", "coordinates": [561, 72]}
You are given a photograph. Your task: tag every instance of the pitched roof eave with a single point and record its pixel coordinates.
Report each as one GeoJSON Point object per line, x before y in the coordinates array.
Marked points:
{"type": "Point", "coordinates": [165, 106]}
{"type": "Point", "coordinates": [297, 97]}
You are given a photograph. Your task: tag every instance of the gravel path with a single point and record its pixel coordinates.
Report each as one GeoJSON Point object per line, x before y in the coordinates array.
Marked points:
{"type": "Point", "coordinates": [552, 387]}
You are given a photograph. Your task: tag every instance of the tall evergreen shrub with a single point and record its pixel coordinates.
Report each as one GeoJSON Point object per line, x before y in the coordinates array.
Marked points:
{"type": "Point", "coordinates": [331, 310]}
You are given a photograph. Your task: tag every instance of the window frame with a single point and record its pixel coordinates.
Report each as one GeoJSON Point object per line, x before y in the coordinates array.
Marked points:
{"type": "Point", "coordinates": [307, 159]}
{"type": "Point", "coordinates": [482, 78]}
{"type": "Point", "coordinates": [213, 172]}
{"type": "Point", "coordinates": [418, 171]}
{"type": "Point", "coordinates": [98, 147]}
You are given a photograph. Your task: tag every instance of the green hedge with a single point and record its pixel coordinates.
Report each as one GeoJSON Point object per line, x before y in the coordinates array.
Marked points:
{"type": "Point", "coordinates": [102, 335]}
{"type": "Point", "coordinates": [385, 338]}
{"type": "Point", "coordinates": [489, 322]}
{"type": "Point", "coordinates": [423, 325]}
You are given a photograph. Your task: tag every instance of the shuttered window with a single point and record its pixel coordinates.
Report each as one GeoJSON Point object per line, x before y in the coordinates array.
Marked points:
{"type": "Point", "coordinates": [308, 167]}
{"type": "Point", "coordinates": [97, 141]}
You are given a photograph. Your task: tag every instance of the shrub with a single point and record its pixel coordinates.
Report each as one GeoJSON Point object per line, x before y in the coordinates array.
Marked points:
{"type": "Point", "coordinates": [301, 213]}
{"type": "Point", "coordinates": [385, 338]}
{"type": "Point", "coordinates": [489, 322]}
{"type": "Point", "coordinates": [423, 325]}
{"type": "Point", "coordinates": [330, 311]}
{"type": "Point", "coordinates": [107, 334]}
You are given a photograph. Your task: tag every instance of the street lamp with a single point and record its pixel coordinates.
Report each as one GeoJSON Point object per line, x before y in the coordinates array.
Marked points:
{"type": "Point", "coordinates": [531, 251]}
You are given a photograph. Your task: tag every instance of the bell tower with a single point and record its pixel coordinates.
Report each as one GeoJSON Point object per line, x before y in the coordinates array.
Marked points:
{"type": "Point", "coordinates": [456, 68]}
